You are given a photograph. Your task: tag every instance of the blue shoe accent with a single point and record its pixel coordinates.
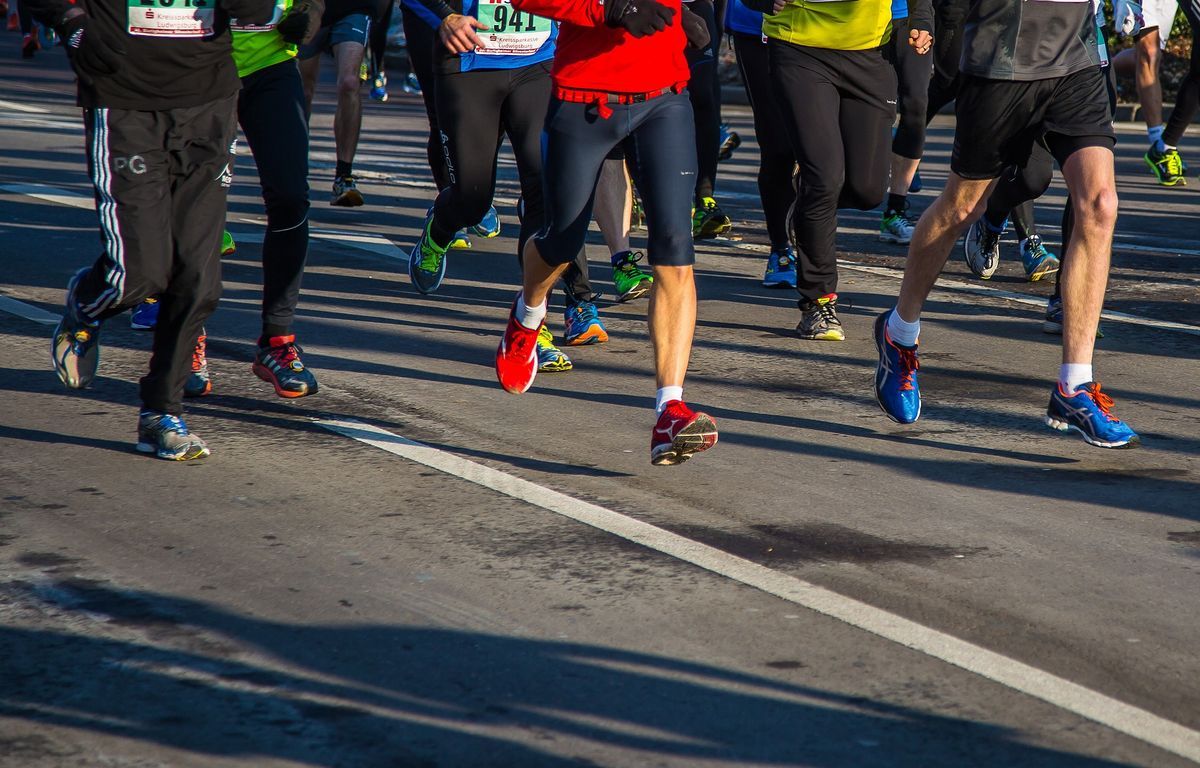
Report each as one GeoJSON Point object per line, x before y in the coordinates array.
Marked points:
{"type": "Point", "coordinates": [1038, 261]}
{"type": "Point", "coordinates": [781, 269]}
{"type": "Point", "coordinates": [489, 225]}
{"type": "Point", "coordinates": [896, 388]}
{"type": "Point", "coordinates": [75, 348]}
{"type": "Point", "coordinates": [583, 325]}
{"type": "Point", "coordinates": [144, 316]}
{"type": "Point", "coordinates": [915, 185]}
{"type": "Point", "coordinates": [1089, 412]}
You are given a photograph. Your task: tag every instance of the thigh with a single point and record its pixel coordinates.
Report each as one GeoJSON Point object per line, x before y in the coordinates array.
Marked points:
{"type": "Point", "coordinates": [1077, 115]}
{"type": "Point", "coordinates": [809, 103]}
{"type": "Point", "coordinates": [868, 110]}
{"type": "Point", "coordinates": [755, 68]}
{"type": "Point", "coordinates": [271, 113]}
{"type": "Point", "coordinates": [469, 106]}
{"type": "Point", "coordinates": [523, 115]}
{"type": "Point", "coordinates": [666, 151]}
{"type": "Point", "coordinates": [997, 125]}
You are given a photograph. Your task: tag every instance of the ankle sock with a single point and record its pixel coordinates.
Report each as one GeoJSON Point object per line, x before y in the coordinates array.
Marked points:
{"type": "Point", "coordinates": [1072, 376]}
{"type": "Point", "coordinates": [902, 332]}
{"type": "Point", "coordinates": [666, 395]}
{"type": "Point", "coordinates": [1003, 225]}
{"type": "Point", "coordinates": [896, 202]}
{"type": "Point", "coordinates": [343, 169]}
{"type": "Point", "coordinates": [530, 317]}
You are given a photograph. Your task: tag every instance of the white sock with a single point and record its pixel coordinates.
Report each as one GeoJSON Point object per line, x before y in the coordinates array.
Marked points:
{"type": "Point", "coordinates": [530, 317]}
{"type": "Point", "coordinates": [666, 395]}
{"type": "Point", "coordinates": [903, 332]}
{"type": "Point", "coordinates": [1155, 134]}
{"type": "Point", "coordinates": [1072, 376]}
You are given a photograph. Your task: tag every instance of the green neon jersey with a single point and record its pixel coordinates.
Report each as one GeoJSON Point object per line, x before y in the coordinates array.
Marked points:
{"type": "Point", "coordinates": [258, 46]}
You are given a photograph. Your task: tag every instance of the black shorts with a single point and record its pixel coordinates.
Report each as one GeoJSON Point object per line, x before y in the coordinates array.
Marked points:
{"type": "Point", "coordinates": [999, 120]}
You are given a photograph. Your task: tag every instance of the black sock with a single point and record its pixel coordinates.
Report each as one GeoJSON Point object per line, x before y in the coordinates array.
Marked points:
{"type": "Point", "coordinates": [343, 169]}
{"type": "Point", "coordinates": [896, 202]}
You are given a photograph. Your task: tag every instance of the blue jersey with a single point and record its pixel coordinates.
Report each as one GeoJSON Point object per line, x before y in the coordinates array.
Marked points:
{"type": "Point", "coordinates": [739, 18]}
{"type": "Point", "coordinates": [899, 9]}
{"type": "Point", "coordinates": [423, 13]}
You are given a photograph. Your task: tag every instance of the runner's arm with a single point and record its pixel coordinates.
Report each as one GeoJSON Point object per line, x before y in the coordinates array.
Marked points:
{"type": "Point", "coordinates": [583, 13]}
{"type": "Point", "coordinates": [920, 25]}
{"type": "Point", "coordinates": [51, 13]}
{"type": "Point", "coordinates": [439, 8]}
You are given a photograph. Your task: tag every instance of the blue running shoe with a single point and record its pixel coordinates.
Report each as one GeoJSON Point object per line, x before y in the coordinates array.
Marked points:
{"type": "Point", "coordinates": [489, 225]}
{"type": "Point", "coordinates": [75, 348]}
{"type": "Point", "coordinates": [1038, 261]}
{"type": "Point", "coordinates": [144, 316]}
{"type": "Point", "coordinates": [550, 359]}
{"type": "Point", "coordinates": [427, 262]}
{"type": "Point", "coordinates": [781, 268]}
{"type": "Point", "coordinates": [915, 185]}
{"type": "Point", "coordinates": [896, 388]}
{"type": "Point", "coordinates": [167, 437]}
{"type": "Point", "coordinates": [1089, 412]}
{"type": "Point", "coordinates": [583, 325]}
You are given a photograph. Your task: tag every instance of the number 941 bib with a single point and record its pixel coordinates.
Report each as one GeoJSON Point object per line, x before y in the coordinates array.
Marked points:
{"type": "Point", "coordinates": [510, 32]}
{"type": "Point", "coordinates": [172, 18]}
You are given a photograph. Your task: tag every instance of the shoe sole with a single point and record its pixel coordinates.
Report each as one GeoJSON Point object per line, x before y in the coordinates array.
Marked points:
{"type": "Point", "coordinates": [590, 336]}
{"type": "Point", "coordinates": [636, 293]}
{"type": "Point", "coordinates": [778, 284]}
{"type": "Point", "coordinates": [140, 326]}
{"type": "Point", "coordinates": [265, 374]}
{"type": "Point", "coordinates": [202, 393]}
{"type": "Point", "coordinates": [690, 440]}
{"type": "Point", "coordinates": [351, 199]}
{"type": "Point", "coordinates": [150, 448]}
{"type": "Point", "coordinates": [895, 239]}
{"type": "Point", "coordinates": [827, 336]}
{"type": "Point", "coordinates": [556, 367]}
{"type": "Point", "coordinates": [709, 234]}
{"type": "Point", "coordinates": [1063, 426]}
{"type": "Point", "coordinates": [486, 234]}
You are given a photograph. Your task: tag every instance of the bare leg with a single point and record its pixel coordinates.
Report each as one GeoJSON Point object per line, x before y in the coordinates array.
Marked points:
{"type": "Point", "coordinates": [903, 170]}
{"type": "Point", "coordinates": [347, 121]}
{"type": "Point", "coordinates": [1148, 86]}
{"type": "Point", "coordinates": [961, 202]}
{"type": "Point", "coordinates": [614, 205]}
{"type": "Point", "coordinates": [539, 277]}
{"type": "Point", "coordinates": [1091, 182]}
{"type": "Point", "coordinates": [672, 323]}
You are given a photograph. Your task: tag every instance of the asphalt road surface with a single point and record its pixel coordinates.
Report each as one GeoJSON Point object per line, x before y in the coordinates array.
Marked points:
{"type": "Point", "coordinates": [413, 568]}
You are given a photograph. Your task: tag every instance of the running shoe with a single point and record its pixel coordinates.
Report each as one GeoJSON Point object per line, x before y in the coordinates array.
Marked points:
{"type": "Point", "coordinates": [516, 357]}
{"type": "Point", "coordinates": [1166, 166]}
{"type": "Point", "coordinates": [729, 142]}
{"type": "Point", "coordinates": [427, 262]}
{"type": "Point", "coordinates": [379, 87]}
{"type": "Point", "coordinates": [819, 320]}
{"type": "Point", "coordinates": [167, 437]}
{"type": "Point", "coordinates": [345, 193]}
{"type": "Point", "coordinates": [278, 363]}
{"type": "Point", "coordinates": [896, 388]}
{"type": "Point", "coordinates": [708, 220]}
{"type": "Point", "coordinates": [1053, 323]}
{"type": "Point", "coordinates": [896, 227]}
{"type": "Point", "coordinates": [679, 433]}
{"type": "Point", "coordinates": [460, 242]}
{"type": "Point", "coordinates": [1038, 261]}
{"type": "Point", "coordinates": [550, 358]}
{"type": "Point", "coordinates": [781, 268]}
{"type": "Point", "coordinates": [14, 23]}
{"type": "Point", "coordinates": [144, 316]}
{"type": "Point", "coordinates": [29, 46]}
{"type": "Point", "coordinates": [629, 279]}
{"type": "Point", "coordinates": [228, 246]}
{"type": "Point", "coordinates": [75, 349]}
{"type": "Point", "coordinates": [489, 225]}
{"type": "Point", "coordinates": [1088, 411]}
{"type": "Point", "coordinates": [198, 383]}
{"type": "Point", "coordinates": [981, 250]}
{"type": "Point", "coordinates": [411, 84]}
{"type": "Point", "coordinates": [583, 325]}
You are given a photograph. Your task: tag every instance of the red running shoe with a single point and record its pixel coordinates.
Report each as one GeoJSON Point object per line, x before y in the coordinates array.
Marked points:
{"type": "Point", "coordinates": [679, 433]}
{"type": "Point", "coordinates": [516, 357]}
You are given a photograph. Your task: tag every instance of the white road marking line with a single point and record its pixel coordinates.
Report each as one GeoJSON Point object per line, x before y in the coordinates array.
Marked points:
{"type": "Point", "coordinates": [999, 293]}
{"type": "Point", "coordinates": [996, 667]}
{"type": "Point", "coordinates": [18, 107]}
{"type": "Point", "coordinates": [52, 195]}
{"type": "Point", "coordinates": [27, 311]}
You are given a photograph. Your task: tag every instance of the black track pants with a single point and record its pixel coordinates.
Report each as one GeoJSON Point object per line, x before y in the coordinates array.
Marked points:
{"type": "Point", "coordinates": [913, 72]}
{"type": "Point", "coordinates": [160, 181]}
{"type": "Point", "coordinates": [838, 108]}
{"type": "Point", "coordinates": [704, 89]}
{"type": "Point", "coordinates": [775, 159]}
{"type": "Point", "coordinates": [271, 112]}
{"type": "Point", "coordinates": [420, 38]}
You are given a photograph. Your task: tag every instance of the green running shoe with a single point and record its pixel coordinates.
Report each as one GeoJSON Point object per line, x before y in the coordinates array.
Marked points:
{"type": "Point", "coordinates": [228, 246]}
{"type": "Point", "coordinates": [1167, 167]}
{"type": "Point", "coordinates": [427, 262]}
{"type": "Point", "coordinates": [708, 220]}
{"type": "Point", "coordinates": [631, 282]}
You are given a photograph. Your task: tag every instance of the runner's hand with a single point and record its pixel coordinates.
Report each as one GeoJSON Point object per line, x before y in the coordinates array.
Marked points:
{"type": "Point", "coordinates": [90, 53]}
{"type": "Point", "coordinates": [458, 33]}
{"type": "Point", "coordinates": [920, 40]}
{"type": "Point", "coordinates": [695, 29]}
{"type": "Point", "coordinates": [640, 17]}
{"type": "Point", "coordinates": [300, 23]}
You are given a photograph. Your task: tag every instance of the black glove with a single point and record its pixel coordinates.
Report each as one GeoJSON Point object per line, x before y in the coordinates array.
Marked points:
{"type": "Point", "coordinates": [695, 28]}
{"type": "Point", "coordinates": [640, 17]}
{"type": "Point", "coordinates": [299, 24]}
{"type": "Point", "coordinates": [254, 12]}
{"type": "Point", "coordinates": [91, 54]}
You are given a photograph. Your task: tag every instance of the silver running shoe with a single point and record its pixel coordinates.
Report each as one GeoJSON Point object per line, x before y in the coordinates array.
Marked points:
{"type": "Point", "coordinates": [981, 250]}
{"type": "Point", "coordinates": [167, 437]}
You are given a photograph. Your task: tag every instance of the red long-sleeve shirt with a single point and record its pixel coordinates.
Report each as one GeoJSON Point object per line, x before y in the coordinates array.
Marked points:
{"type": "Point", "coordinates": [593, 57]}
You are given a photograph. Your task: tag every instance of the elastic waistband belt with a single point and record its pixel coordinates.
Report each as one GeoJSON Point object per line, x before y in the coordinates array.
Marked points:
{"type": "Point", "coordinates": [602, 99]}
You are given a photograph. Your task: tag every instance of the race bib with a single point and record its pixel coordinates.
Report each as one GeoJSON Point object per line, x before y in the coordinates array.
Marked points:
{"type": "Point", "coordinates": [276, 17]}
{"type": "Point", "coordinates": [171, 18]}
{"type": "Point", "coordinates": [510, 32]}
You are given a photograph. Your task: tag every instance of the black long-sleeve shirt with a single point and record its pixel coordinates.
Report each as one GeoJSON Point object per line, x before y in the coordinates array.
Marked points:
{"type": "Point", "coordinates": [178, 53]}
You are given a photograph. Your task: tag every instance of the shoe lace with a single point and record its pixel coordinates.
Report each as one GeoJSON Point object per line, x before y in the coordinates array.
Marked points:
{"type": "Point", "coordinates": [1102, 401]}
{"type": "Point", "coordinates": [629, 267]}
{"type": "Point", "coordinates": [585, 313]}
{"type": "Point", "coordinates": [909, 364]}
{"type": "Point", "coordinates": [284, 354]}
{"type": "Point", "coordinates": [1174, 162]}
{"type": "Point", "coordinates": [827, 310]}
{"type": "Point", "coordinates": [198, 354]}
{"type": "Point", "coordinates": [988, 237]}
{"type": "Point", "coordinates": [431, 259]}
